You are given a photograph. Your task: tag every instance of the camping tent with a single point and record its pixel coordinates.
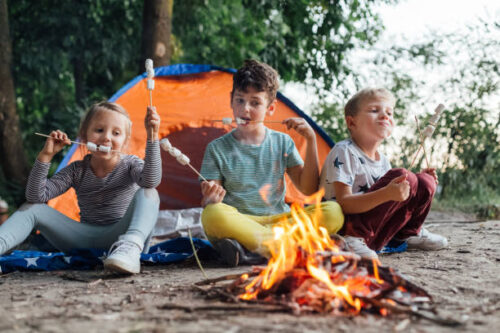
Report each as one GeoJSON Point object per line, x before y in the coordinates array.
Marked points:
{"type": "Point", "coordinates": [188, 98]}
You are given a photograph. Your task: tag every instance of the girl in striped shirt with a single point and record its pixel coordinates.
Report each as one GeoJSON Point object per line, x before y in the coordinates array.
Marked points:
{"type": "Point", "coordinates": [116, 192]}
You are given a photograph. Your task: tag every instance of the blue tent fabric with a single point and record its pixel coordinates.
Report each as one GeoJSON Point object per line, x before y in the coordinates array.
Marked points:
{"type": "Point", "coordinates": [170, 251]}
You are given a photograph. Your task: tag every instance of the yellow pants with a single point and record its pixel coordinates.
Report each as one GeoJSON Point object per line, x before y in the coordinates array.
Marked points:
{"type": "Point", "coordinates": [224, 221]}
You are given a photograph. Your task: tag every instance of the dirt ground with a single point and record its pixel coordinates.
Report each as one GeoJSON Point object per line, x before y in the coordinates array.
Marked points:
{"type": "Point", "coordinates": [463, 279]}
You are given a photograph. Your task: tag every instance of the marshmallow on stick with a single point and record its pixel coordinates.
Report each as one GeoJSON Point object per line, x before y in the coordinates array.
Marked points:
{"type": "Point", "coordinates": [150, 73]}
{"type": "Point", "coordinates": [178, 155]}
{"type": "Point", "coordinates": [428, 131]}
{"type": "Point", "coordinates": [90, 145]}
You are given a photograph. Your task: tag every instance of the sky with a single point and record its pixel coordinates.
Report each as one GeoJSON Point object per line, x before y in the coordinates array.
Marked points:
{"type": "Point", "coordinates": [409, 21]}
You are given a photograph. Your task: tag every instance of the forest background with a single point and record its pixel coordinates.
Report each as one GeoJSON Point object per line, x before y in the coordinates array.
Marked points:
{"type": "Point", "coordinates": [58, 57]}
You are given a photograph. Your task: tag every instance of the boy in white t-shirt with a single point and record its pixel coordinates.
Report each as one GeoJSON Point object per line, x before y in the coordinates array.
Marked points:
{"type": "Point", "coordinates": [380, 204]}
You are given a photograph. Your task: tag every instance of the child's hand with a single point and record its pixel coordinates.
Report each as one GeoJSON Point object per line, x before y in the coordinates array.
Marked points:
{"type": "Point", "coordinates": [432, 172]}
{"type": "Point", "coordinates": [152, 121]}
{"type": "Point", "coordinates": [212, 193]}
{"type": "Point", "coordinates": [301, 126]}
{"type": "Point", "coordinates": [53, 145]}
{"type": "Point", "coordinates": [398, 189]}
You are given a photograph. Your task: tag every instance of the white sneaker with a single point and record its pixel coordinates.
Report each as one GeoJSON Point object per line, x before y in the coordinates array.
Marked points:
{"type": "Point", "coordinates": [358, 246]}
{"type": "Point", "coordinates": [124, 257]}
{"type": "Point", "coordinates": [426, 240]}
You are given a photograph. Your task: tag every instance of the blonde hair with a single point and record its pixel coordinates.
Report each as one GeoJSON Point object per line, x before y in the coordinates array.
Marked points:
{"type": "Point", "coordinates": [352, 106]}
{"type": "Point", "coordinates": [95, 109]}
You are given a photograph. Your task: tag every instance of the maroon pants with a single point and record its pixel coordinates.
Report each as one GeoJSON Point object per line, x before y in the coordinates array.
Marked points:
{"type": "Point", "coordinates": [398, 219]}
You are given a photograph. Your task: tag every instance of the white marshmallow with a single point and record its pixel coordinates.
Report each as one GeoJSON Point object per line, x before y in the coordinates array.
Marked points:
{"type": "Point", "coordinates": [183, 159]}
{"type": "Point", "coordinates": [91, 146]}
{"type": "Point", "coordinates": [174, 152]}
{"type": "Point", "coordinates": [227, 121]}
{"type": "Point", "coordinates": [151, 84]}
{"type": "Point", "coordinates": [165, 144]}
{"type": "Point", "coordinates": [149, 64]}
{"type": "Point", "coordinates": [150, 73]}
{"type": "Point", "coordinates": [429, 129]}
{"type": "Point", "coordinates": [437, 114]}
{"type": "Point", "coordinates": [240, 121]}
{"type": "Point", "coordinates": [104, 149]}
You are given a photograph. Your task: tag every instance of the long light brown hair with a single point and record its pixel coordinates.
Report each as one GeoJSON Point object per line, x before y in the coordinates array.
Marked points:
{"type": "Point", "coordinates": [95, 109]}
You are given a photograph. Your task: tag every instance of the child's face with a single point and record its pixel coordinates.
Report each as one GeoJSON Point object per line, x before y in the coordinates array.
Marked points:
{"type": "Point", "coordinates": [251, 105]}
{"type": "Point", "coordinates": [374, 120]}
{"type": "Point", "coordinates": [108, 128]}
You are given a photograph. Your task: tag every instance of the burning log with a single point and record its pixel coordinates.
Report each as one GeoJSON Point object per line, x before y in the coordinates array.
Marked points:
{"type": "Point", "coordinates": [309, 272]}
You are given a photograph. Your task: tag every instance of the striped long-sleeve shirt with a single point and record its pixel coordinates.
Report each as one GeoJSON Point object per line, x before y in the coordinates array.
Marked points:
{"type": "Point", "coordinates": [102, 200]}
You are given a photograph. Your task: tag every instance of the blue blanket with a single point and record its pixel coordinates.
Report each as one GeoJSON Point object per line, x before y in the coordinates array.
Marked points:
{"type": "Point", "coordinates": [173, 250]}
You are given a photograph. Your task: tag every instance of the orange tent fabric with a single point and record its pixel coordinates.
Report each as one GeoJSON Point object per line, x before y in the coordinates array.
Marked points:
{"type": "Point", "coordinates": [188, 98]}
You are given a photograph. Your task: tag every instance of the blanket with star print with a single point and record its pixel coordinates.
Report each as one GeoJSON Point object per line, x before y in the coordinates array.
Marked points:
{"type": "Point", "coordinates": [169, 251]}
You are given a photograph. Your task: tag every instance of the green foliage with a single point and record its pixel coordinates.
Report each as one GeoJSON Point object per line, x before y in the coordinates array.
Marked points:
{"type": "Point", "coordinates": [66, 55]}
{"type": "Point", "coordinates": [300, 39]}
{"type": "Point", "coordinates": [466, 143]}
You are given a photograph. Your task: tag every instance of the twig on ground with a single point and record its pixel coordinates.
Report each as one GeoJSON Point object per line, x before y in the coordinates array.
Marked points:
{"type": "Point", "coordinates": [196, 254]}
{"type": "Point", "coordinates": [226, 278]}
{"type": "Point", "coordinates": [216, 307]}
{"type": "Point", "coordinates": [412, 311]}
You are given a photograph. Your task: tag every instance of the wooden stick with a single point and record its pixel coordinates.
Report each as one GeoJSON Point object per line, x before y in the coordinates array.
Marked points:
{"type": "Point", "coordinates": [254, 121]}
{"type": "Point", "coordinates": [151, 106]}
{"type": "Point", "coordinates": [214, 307]}
{"type": "Point", "coordinates": [196, 171]}
{"type": "Point", "coordinates": [226, 278]}
{"type": "Point", "coordinates": [48, 136]}
{"type": "Point", "coordinates": [409, 310]}
{"type": "Point", "coordinates": [78, 143]}
{"type": "Point", "coordinates": [414, 157]}
{"type": "Point", "coordinates": [267, 121]}
{"type": "Point", "coordinates": [422, 142]}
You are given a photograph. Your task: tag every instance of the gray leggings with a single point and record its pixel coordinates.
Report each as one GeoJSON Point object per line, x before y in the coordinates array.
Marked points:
{"type": "Point", "coordinates": [65, 233]}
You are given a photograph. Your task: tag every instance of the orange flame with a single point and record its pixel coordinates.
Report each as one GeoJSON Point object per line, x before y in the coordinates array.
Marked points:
{"type": "Point", "coordinates": [264, 192]}
{"type": "Point", "coordinates": [296, 243]}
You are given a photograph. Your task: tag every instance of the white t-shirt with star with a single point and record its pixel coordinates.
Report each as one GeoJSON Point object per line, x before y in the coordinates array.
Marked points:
{"type": "Point", "coordinates": [348, 164]}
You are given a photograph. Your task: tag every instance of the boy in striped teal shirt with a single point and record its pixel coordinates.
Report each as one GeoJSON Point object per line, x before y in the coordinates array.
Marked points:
{"type": "Point", "coordinates": [245, 194]}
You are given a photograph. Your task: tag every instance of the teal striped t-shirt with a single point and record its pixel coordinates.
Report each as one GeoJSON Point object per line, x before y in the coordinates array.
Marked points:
{"type": "Point", "coordinates": [252, 175]}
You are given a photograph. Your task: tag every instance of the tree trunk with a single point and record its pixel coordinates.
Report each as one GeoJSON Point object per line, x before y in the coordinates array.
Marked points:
{"type": "Point", "coordinates": [156, 31]}
{"type": "Point", "coordinates": [14, 163]}
{"type": "Point", "coordinates": [80, 93]}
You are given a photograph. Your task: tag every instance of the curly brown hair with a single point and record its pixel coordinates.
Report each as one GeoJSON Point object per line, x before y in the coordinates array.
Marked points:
{"type": "Point", "coordinates": [257, 75]}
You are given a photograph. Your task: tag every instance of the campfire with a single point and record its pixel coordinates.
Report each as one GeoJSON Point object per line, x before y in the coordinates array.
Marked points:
{"type": "Point", "coordinates": [309, 272]}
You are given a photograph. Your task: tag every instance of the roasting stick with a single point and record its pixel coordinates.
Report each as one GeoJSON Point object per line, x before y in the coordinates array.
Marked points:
{"type": "Point", "coordinates": [48, 136]}
{"type": "Point", "coordinates": [150, 72]}
{"type": "Point", "coordinates": [179, 156]}
{"type": "Point", "coordinates": [428, 131]}
{"type": "Point", "coordinates": [90, 145]}
{"type": "Point", "coordinates": [240, 121]}
{"type": "Point", "coordinates": [422, 140]}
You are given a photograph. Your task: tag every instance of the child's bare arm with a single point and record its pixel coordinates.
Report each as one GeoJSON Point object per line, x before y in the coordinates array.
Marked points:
{"type": "Point", "coordinates": [305, 177]}
{"type": "Point", "coordinates": [212, 192]}
{"type": "Point", "coordinates": [397, 190]}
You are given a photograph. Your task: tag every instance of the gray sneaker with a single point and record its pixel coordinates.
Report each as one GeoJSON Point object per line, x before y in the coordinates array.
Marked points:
{"type": "Point", "coordinates": [124, 257]}
{"type": "Point", "coordinates": [358, 246]}
{"type": "Point", "coordinates": [426, 240]}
